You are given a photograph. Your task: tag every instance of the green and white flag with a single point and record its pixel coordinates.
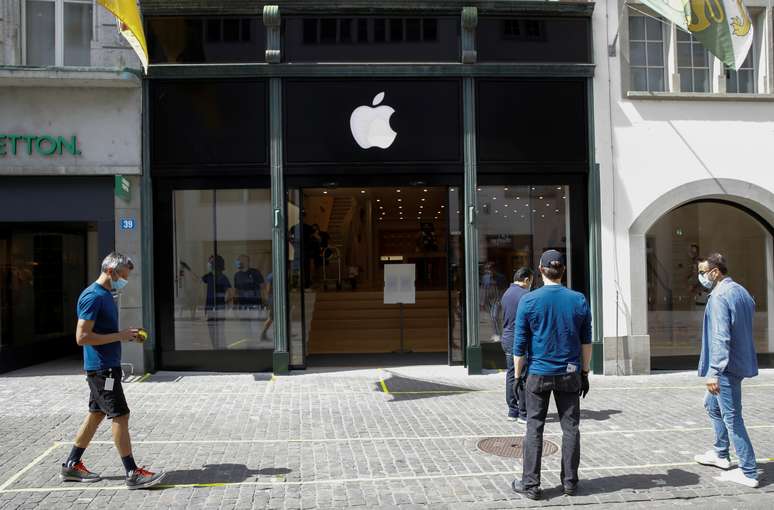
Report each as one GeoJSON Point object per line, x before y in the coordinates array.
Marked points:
{"type": "Point", "coordinates": [722, 26]}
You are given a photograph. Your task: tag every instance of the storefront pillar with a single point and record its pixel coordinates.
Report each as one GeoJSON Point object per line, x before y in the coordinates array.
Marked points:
{"type": "Point", "coordinates": [146, 239]}
{"type": "Point", "coordinates": [281, 358]}
{"type": "Point", "coordinates": [471, 229]}
{"type": "Point", "coordinates": [595, 268]}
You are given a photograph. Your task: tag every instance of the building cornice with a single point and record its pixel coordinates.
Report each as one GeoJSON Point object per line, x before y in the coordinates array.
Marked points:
{"type": "Point", "coordinates": [89, 77]}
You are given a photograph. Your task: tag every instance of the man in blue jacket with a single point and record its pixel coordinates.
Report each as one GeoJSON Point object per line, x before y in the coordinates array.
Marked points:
{"type": "Point", "coordinates": [552, 339]}
{"type": "Point", "coordinates": [514, 397]}
{"type": "Point", "coordinates": [727, 357]}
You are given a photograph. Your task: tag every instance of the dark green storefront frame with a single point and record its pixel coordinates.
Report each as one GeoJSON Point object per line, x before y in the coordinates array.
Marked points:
{"type": "Point", "coordinates": [468, 69]}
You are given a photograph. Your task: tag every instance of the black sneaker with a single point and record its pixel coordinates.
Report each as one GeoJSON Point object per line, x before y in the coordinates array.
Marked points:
{"type": "Point", "coordinates": [533, 493]}
{"type": "Point", "coordinates": [570, 489]}
{"type": "Point", "coordinates": [141, 478]}
{"type": "Point", "coordinates": [78, 473]}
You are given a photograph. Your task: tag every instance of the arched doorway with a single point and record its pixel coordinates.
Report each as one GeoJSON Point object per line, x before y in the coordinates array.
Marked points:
{"type": "Point", "coordinates": [675, 299]}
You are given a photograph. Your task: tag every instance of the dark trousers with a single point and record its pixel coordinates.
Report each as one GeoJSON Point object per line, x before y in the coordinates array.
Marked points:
{"type": "Point", "coordinates": [517, 406]}
{"type": "Point", "coordinates": [538, 393]}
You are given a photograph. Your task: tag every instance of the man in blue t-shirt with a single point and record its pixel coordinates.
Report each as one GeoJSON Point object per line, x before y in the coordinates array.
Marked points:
{"type": "Point", "coordinates": [514, 394]}
{"type": "Point", "coordinates": [552, 339]}
{"type": "Point", "coordinates": [97, 331]}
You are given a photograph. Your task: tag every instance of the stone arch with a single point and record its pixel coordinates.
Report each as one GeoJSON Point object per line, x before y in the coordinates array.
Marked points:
{"type": "Point", "coordinates": [750, 196]}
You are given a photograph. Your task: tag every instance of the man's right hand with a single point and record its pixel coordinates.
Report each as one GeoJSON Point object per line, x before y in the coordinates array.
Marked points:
{"type": "Point", "coordinates": [584, 389]}
{"type": "Point", "coordinates": [129, 335]}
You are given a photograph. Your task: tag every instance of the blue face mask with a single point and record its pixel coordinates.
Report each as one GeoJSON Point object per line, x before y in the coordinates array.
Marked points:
{"type": "Point", "coordinates": [118, 284]}
{"type": "Point", "coordinates": [705, 281]}
{"type": "Point", "coordinates": [238, 264]}
{"type": "Point", "coordinates": [209, 266]}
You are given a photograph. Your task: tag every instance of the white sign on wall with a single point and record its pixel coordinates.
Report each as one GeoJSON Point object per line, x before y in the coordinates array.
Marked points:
{"type": "Point", "coordinates": [399, 283]}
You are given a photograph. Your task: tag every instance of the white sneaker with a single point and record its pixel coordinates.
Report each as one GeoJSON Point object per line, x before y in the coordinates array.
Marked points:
{"type": "Point", "coordinates": [737, 476]}
{"type": "Point", "coordinates": [521, 421]}
{"type": "Point", "coordinates": [511, 418]}
{"type": "Point", "coordinates": [711, 459]}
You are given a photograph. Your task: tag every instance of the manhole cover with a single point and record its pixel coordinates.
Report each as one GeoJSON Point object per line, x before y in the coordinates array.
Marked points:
{"type": "Point", "coordinates": [511, 446]}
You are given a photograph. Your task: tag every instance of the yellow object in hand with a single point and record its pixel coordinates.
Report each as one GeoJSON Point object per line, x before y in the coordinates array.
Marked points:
{"type": "Point", "coordinates": [142, 335]}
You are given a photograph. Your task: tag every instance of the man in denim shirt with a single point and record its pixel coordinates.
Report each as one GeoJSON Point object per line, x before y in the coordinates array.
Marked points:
{"type": "Point", "coordinates": [727, 357]}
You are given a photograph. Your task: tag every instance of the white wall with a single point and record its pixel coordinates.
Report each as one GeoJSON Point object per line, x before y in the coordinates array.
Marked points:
{"type": "Point", "coordinates": [648, 148]}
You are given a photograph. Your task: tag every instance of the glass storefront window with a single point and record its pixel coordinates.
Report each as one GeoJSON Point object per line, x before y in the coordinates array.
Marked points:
{"type": "Point", "coordinates": [222, 255]}
{"type": "Point", "coordinates": [42, 273]}
{"type": "Point", "coordinates": [516, 224]}
{"type": "Point", "coordinates": [676, 300]}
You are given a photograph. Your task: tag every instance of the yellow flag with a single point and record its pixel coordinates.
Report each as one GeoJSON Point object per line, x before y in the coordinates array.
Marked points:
{"type": "Point", "coordinates": [130, 25]}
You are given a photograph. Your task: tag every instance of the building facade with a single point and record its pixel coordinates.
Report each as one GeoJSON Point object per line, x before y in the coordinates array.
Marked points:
{"type": "Point", "coordinates": [349, 182]}
{"type": "Point", "coordinates": [683, 146]}
{"type": "Point", "coordinates": [70, 166]}
{"type": "Point", "coordinates": [344, 183]}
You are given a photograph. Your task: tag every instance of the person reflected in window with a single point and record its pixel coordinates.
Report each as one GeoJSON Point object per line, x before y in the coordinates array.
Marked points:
{"type": "Point", "coordinates": [269, 306]}
{"type": "Point", "coordinates": [492, 283]}
{"type": "Point", "coordinates": [218, 289]}
{"type": "Point", "coordinates": [247, 284]}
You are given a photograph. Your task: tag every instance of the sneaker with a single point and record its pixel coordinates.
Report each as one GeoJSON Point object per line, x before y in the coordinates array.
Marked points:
{"type": "Point", "coordinates": [711, 459]}
{"type": "Point", "coordinates": [141, 478]}
{"type": "Point", "coordinates": [737, 476]}
{"type": "Point", "coordinates": [511, 418]}
{"type": "Point", "coordinates": [533, 493]}
{"type": "Point", "coordinates": [78, 473]}
{"type": "Point", "coordinates": [521, 421]}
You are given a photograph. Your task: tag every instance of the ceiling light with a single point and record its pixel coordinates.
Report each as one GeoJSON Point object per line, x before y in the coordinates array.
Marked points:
{"type": "Point", "coordinates": [397, 191]}
{"type": "Point", "coordinates": [534, 210]}
{"type": "Point", "coordinates": [505, 189]}
{"type": "Point", "coordinates": [421, 206]}
{"type": "Point", "coordinates": [362, 191]}
{"type": "Point", "coordinates": [563, 197]}
{"type": "Point", "coordinates": [506, 205]}
{"type": "Point", "coordinates": [325, 192]}
{"type": "Point", "coordinates": [425, 191]}
{"type": "Point", "coordinates": [442, 206]}
{"type": "Point", "coordinates": [496, 211]}
{"type": "Point", "coordinates": [556, 210]}
{"type": "Point", "coordinates": [451, 189]}
{"type": "Point", "coordinates": [518, 198]}
{"type": "Point", "coordinates": [479, 189]}
{"type": "Point", "coordinates": [542, 215]}
{"type": "Point", "coordinates": [540, 197]}
{"type": "Point", "coordinates": [400, 200]}
{"type": "Point", "coordinates": [423, 200]}
{"type": "Point", "coordinates": [559, 187]}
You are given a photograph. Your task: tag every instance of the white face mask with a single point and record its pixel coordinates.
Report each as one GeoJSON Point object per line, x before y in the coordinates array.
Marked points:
{"type": "Point", "coordinates": [705, 281]}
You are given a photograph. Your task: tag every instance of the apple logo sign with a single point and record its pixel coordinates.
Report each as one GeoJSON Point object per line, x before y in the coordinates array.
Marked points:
{"type": "Point", "coordinates": [371, 125]}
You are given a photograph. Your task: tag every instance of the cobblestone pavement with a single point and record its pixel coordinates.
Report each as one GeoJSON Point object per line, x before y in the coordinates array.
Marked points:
{"type": "Point", "coordinates": [369, 438]}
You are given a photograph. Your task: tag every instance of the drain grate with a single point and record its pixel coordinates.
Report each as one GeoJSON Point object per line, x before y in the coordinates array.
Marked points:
{"type": "Point", "coordinates": [511, 446]}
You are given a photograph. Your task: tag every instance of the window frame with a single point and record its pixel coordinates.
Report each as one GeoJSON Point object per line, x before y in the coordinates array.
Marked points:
{"type": "Point", "coordinates": [646, 41]}
{"type": "Point", "coordinates": [762, 51]}
{"type": "Point", "coordinates": [59, 48]}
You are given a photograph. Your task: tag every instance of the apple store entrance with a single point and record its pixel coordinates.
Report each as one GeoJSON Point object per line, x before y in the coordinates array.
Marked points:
{"type": "Point", "coordinates": [375, 275]}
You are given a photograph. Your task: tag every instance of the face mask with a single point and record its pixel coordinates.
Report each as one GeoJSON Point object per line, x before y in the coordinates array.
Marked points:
{"type": "Point", "coordinates": [209, 266]}
{"type": "Point", "coordinates": [238, 264]}
{"type": "Point", "coordinates": [118, 284]}
{"type": "Point", "coordinates": [705, 281]}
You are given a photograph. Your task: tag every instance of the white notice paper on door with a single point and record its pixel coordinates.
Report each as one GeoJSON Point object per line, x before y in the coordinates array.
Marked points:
{"type": "Point", "coordinates": [399, 283]}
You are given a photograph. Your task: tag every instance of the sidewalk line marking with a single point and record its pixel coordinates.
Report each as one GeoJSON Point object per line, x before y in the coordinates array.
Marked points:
{"type": "Point", "coordinates": [382, 384]}
{"type": "Point", "coordinates": [238, 342]}
{"type": "Point", "coordinates": [381, 381]}
{"type": "Point", "coordinates": [410, 438]}
{"type": "Point", "coordinates": [381, 479]}
{"type": "Point", "coordinates": [145, 377]}
{"type": "Point", "coordinates": [29, 466]}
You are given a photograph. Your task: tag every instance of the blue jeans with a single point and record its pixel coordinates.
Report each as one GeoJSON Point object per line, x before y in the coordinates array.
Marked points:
{"type": "Point", "coordinates": [725, 412]}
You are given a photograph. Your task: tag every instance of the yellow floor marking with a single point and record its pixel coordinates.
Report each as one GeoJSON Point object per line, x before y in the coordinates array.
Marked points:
{"type": "Point", "coordinates": [238, 342]}
{"type": "Point", "coordinates": [145, 377]}
{"type": "Point", "coordinates": [381, 381]}
{"type": "Point", "coordinates": [29, 466]}
{"type": "Point", "coordinates": [381, 479]}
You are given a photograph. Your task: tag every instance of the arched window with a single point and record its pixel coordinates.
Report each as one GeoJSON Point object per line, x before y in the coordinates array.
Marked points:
{"type": "Point", "coordinates": [676, 299]}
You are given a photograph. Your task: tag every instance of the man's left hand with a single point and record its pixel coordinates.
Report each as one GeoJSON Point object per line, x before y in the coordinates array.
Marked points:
{"type": "Point", "coordinates": [712, 385]}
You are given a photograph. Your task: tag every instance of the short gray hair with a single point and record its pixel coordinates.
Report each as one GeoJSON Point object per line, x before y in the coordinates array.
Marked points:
{"type": "Point", "coordinates": [116, 261]}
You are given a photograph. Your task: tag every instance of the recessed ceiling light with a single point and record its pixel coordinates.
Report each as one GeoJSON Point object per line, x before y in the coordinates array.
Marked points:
{"type": "Point", "coordinates": [425, 191]}
{"type": "Point", "coordinates": [397, 191]}
{"type": "Point", "coordinates": [400, 200]}
{"type": "Point", "coordinates": [378, 199]}
{"type": "Point", "coordinates": [451, 189]}
{"type": "Point", "coordinates": [542, 215]}
{"type": "Point", "coordinates": [423, 200]}
{"type": "Point", "coordinates": [518, 198]}
{"type": "Point", "coordinates": [421, 206]}
{"type": "Point", "coordinates": [494, 198]}
{"type": "Point", "coordinates": [496, 211]}
{"type": "Point", "coordinates": [534, 210]}
{"type": "Point", "coordinates": [548, 205]}
{"type": "Point", "coordinates": [325, 192]}
{"type": "Point", "coordinates": [556, 210]}
{"type": "Point", "coordinates": [362, 191]}
{"type": "Point", "coordinates": [505, 189]}
{"type": "Point", "coordinates": [400, 207]}
{"type": "Point", "coordinates": [540, 197]}
{"type": "Point", "coordinates": [563, 197]}
{"type": "Point", "coordinates": [479, 189]}
{"type": "Point", "coordinates": [559, 187]}
{"type": "Point", "coordinates": [443, 206]}
{"type": "Point", "coordinates": [506, 205]}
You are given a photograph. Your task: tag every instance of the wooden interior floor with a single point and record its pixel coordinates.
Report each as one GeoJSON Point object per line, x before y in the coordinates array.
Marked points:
{"type": "Point", "coordinates": [359, 322]}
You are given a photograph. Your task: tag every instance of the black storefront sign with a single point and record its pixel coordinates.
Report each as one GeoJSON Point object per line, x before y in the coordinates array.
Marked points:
{"type": "Point", "coordinates": [348, 123]}
{"type": "Point", "coordinates": [209, 123]}
{"type": "Point", "coordinates": [535, 124]}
